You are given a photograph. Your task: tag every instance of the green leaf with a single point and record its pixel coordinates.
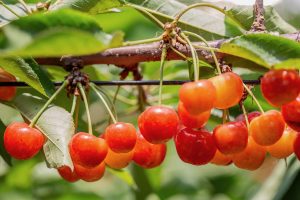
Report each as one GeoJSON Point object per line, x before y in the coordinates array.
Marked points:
{"type": "Point", "coordinates": [47, 35]}
{"type": "Point", "coordinates": [55, 123]}
{"type": "Point", "coordinates": [124, 175]}
{"type": "Point", "coordinates": [263, 49]}
{"type": "Point", "coordinates": [6, 157]}
{"type": "Point", "coordinates": [6, 16]}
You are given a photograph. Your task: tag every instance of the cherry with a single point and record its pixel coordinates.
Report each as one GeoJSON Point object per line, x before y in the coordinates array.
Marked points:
{"type": "Point", "coordinates": [231, 137]}
{"type": "Point", "coordinates": [148, 155]}
{"type": "Point", "coordinates": [196, 147]}
{"type": "Point", "coordinates": [192, 121]}
{"type": "Point", "coordinates": [291, 114]}
{"type": "Point", "coordinates": [221, 159]}
{"type": "Point", "coordinates": [280, 86]}
{"type": "Point", "coordinates": [297, 146]}
{"type": "Point", "coordinates": [267, 128]}
{"type": "Point", "coordinates": [251, 158]}
{"type": "Point", "coordinates": [250, 116]}
{"type": "Point", "coordinates": [158, 124]}
{"type": "Point", "coordinates": [118, 160]}
{"type": "Point", "coordinates": [198, 96]}
{"type": "Point", "coordinates": [284, 147]}
{"type": "Point", "coordinates": [229, 87]}
{"type": "Point", "coordinates": [7, 93]}
{"type": "Point", "coordinates": [21, 141]}
{"type": "Point", "coordinates": [120, 137]}
{"type": "Point", "coordinates": [90, 174]}
{"type": "Point", "coordinates": [87, 150]}
{"type": "Point", "coordinates": [66, 173]}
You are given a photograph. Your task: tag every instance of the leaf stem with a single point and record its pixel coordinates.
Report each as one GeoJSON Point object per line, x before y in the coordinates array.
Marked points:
{"type": "Point", "coordinates": [73, 104]}
{"type": "Point", "coordinates": [161, 72]}
{"type": "Point", "coordinates": [28, 11]}
{"type": "Point", "coordinates": [9, 9]}
{"type": "Point", "coordinates": [245, 114]}
{"type": "Point", "coordinates": [254, 98]}
{"type": "Point", "coordinates": [81, 89]}
{"type": "Point", "coordinates": [42, 110]}
{"type": "Point", "coordinates": [104, 102]}
{"type": "Point", "coordinates": [130, 43]}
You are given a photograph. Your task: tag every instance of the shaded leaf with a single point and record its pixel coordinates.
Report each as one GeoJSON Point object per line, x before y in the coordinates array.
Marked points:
{"type": "Point", "coordinates": [6, 157]}
{"type": "Point", "coordinates": [124, 175]}
{"type": "Point", "coordinates": [6, 16]}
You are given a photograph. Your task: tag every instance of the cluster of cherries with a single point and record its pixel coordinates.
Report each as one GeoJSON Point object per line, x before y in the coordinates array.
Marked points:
{"type": "Point", "coordinates": [243, 142]}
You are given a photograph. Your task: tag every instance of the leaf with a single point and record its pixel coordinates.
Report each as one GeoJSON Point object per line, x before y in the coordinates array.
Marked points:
{"type": "Point", "coordinates": [55, 123]}
{"type": "Point", "coordinates": [124, 175]}
{"type": "Point", "coordinates": [29, 72]}
{"type": "Point", "coordinates": [62, 32]}
{"type": "Point", "coordinates": [6, 16]}
{"type": "Point", "coordinates": [6, 157]}
{"type": "Point", "coordinates": [264, 49]}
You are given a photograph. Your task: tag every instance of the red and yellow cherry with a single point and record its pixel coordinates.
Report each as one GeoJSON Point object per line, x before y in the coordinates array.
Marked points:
{"type": "Point", "coordinates": [231, 137]}
{"type": "Point", "coordinates": [192, 121]}
{"type": "Point", "coordinates": [118, 160]}
{"type": "Point", "coordinates": [148, 155]}
{"type": "Point", "coordinates": [21, 141]}
{"type": "Point", "coordinates": [87, 150]}
{"type": "Point", "coordinates": [297, 146]}
{"type": "Point", "coordinates": [251, 158]}
{"type": "Point", "coordinates": [7, 93]}
{"type": "Point", "coordinates": [198, 96]}
{"type": "Point", "coordinates": [66, 173]}
{"type": "Point", "coordinates": [229, 87]}
{"type": "Point", "coordinates": [90, 174]}
{"type": "Point", "coordinates": [120, 137]}
{"type": "Point", "coordinates": [284, 147]}
{"type": "Point", "coordinates": [221, 159]}
{"type": "Point", "coordinates": [158, 124]}
{"type": "Point", "coordinates": [251, 116]}
{"type": "Point", "coordinates": [280, 86]}
{"type": "Point", "coordinates": [291, 114]}
{"type": "Point", "coordinates": [196, 147]}
{"type": "Point", "coordinates": [267, 128]}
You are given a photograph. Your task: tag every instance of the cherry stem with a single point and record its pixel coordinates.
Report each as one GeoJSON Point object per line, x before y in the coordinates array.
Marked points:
{"type": "Point", "coordinates": [73, 105]}
{"type": "Point", "coordinates": [245, 115]}
{"type": "Point", "coordinates": [42, 110]}
{"type": "Point", "coordinates": [210, 49]}
{"type": "Point", "coordinates": [224, 117]}
{"type": "Point", "coordinates": [194, 56]}
{"type": "Point", "coordinates": [77, 106]}
{"type": "Point", "coordinates": [104, 102]}
{"type": "Point", "coordinates": [161, 72]}
{"type": "Point", "coordinates": [9, 9]}
{"type": "Point", "coordinates": [130, 43]}
{"type": "Point", "coordinates": [179, 53]}
{"type": "Point", "coordinates": [254, 98]}
{"type": "Point", "coordinates": [82, 92]}
{"type": "Point", "coordinates": [114, 103]}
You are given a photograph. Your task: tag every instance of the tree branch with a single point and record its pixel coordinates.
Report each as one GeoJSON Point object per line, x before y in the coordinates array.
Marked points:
{"type": "Point", "coordinates": [259, 19]}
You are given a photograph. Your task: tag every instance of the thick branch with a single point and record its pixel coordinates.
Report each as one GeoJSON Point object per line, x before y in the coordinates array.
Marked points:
{"type": "Point", "coordinates": [259, 19]}
{"type": "Point", "coordinates": [126, 57]}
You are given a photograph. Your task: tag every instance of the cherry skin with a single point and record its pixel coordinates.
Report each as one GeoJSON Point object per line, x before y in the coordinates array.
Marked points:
{"type": "Point", "coordinates": [121, 137]}
{"type": "Point", "coordinates": [251, 158]}
{"type": "Point", "coordinates": [66, 173]}
{"type": "Point", "coordinates": [280, 86]}
{"type": "Point", "coordinates": [196, 147]}
{"type": "Point", "coordinates": [158, 124]}
{"type": "Point", "coordinates": [251, 116]}
{"type": "Point", "coordinates": [90, 174]}
{"type": "Point", "coordinates": [297, 146]}
{"type": "Point", "coordinates": [221, 159]}
{"type": "Point", "coordinates": [291, 114]}
{"type": "Point", "coordinates": [148, 155]}
{"type": "Point", "coordinates": [192, 121]}
{"type": "Point", "coordinates": [198, 96]}
{"type": "Point", "coordinates": [118, 160]}
{"type": "Point", "coordinates": [7, 93]}
{"type": "Point", "coordinates": [284, 147]}
{"type": "Point", "coordinates": [21, 141]}
{"type": "Point", "coordinates": [231, 137]}
{"type": "Point", "coordinates": [267, 128]}
{"type": "Point", "coordinates": [229, 87]}
{"type": "Point", "coordinates": [87, 150]}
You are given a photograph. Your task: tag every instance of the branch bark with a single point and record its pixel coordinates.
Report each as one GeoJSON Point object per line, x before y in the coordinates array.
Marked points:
{"type": "Point", "coordinates": [259, 19]}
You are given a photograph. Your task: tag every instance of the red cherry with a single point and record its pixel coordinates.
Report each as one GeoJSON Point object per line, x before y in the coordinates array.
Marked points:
{"type": "Point", "coordinates": [196, 147]}
{"type": "Point", "coordinates": [118, 160]}
{"type": "Point", "coordinates": [198, 96]}
{"type": "Point", "coordinates": [90, 174]}
{"type": "Point", "coordinates": [66, 173]}
{"type": "Point", "coordinates": [251, 158]}
{"type": "Point", "coordinates": [267, 128]}
{"type": "Point", "coordinates": [221, 159]}
{"type": "Point", "coordinates": [192, 121]}
{"type": "Point", "coordinates": [250, 115]}
{"type": "Point", "coordinates": [229, 87]}
{"type": "Point", "coordinates": [21, 141]}
{"type": "Point", "coordinates": [120, 137]}
{"type": "Point", "coordinates": [7, 93]}
{"type": "Point", "coordinates": [87, 150]}
{"type": "Point", "coordinates": [291, 114]}
{"type": "Point", "coordinates": [231, 137]}
{"type": "Point", "coordinates": [280, 86]}
{"type": "Point", "coordinates": [158, 124]}
{"type": "Point", "coordinates": [297, 146]}
{"type": "Point", "coordinates": [284, 147]}
{"type": "Point", "coordinates": [148, 155]}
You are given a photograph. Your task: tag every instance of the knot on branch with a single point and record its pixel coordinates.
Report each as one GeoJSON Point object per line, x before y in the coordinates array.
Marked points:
{"type": "Point", "coordinates": [74, 78]}
{"type": "Point", "coordinates": [225, 67]}
{"type": "Point", "coordinates": [171, 35]}
{"type": "Point", "coordinates": [134, 70]}
{"type": "Point", "coordinates": [70, 63]}
{"type": "Point", "coordinates": [259, 19]}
